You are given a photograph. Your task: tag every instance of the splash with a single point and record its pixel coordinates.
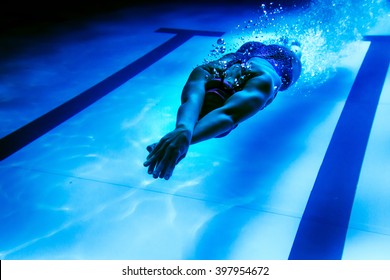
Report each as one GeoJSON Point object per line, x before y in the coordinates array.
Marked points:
{"type": "Point", "coordinates": [324, 27]}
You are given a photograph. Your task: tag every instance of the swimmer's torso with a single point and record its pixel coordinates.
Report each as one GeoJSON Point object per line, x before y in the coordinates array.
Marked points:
{"type": "Point", "coordinates": [231, 73]}
{"type": "Point", "coordinates": [255, 58]}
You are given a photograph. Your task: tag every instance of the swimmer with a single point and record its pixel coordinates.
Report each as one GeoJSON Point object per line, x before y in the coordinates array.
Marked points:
{"type": "Point", "coordinates": [221, 94]}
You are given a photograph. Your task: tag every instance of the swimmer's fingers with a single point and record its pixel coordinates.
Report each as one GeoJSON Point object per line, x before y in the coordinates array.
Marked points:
{"type": "Point", "coordinates": [155, 154]}
{"type": "Point", "coordinates": [162, 167]}
{"type": "Point", "coordinates": [148, 162]}
{"type": "Point", "coordinates": [156, 162]}
{"type": "Point", "coordinates": [151, 162]}
{"type": "Point", "coordinates": [165, 168]}
{"type": "Point", "coordinates": [171, 167]}
{"type": "Point", "coordinates": [168, 172]}
{"type": "Point", "coordinates": [156, 148]}
{"type": "Point", "coordinates": [151, 167]}
{"type": "Point", "coordinates": [151, 147]}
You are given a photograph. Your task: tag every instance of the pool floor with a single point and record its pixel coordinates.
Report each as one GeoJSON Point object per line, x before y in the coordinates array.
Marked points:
{"type": "Point", "coordinates": [72, 183]}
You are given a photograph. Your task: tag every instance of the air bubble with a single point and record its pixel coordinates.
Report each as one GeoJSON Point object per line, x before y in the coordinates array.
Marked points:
{"type": "Point", "coordinates": [221, 41]}
{"type": "Point", "coordinates": [325, 32]}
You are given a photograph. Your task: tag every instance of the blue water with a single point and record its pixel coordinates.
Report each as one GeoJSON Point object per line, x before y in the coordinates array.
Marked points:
{"type": "Point", "coordinates": [80, 191]}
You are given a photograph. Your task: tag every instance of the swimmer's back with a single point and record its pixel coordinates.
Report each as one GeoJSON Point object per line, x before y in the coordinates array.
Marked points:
{"type": "Point", "coordinates": [284, 61]}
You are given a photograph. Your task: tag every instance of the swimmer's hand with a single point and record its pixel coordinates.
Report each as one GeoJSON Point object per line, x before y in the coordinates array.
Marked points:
{"type": "Point", "coordinates": [168, 152]}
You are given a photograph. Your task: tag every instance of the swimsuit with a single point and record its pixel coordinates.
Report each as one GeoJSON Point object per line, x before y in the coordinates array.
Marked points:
{"type": "Point", "coordinates": [217, 92]}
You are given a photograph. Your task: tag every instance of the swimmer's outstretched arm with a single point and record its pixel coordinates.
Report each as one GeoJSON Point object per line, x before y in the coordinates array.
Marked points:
{"type": "Point", "coordinates": [239, 107]}
{"type": "Point", "coordinates": [255, 95]}
{"type": "Point", "coordinates": [242, 105]}
{"type": "Point", "coordinates": [173, 146]}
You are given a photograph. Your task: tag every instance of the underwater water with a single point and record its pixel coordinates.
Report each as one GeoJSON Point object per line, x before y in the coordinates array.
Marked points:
{"type": "Point", "coordinates": [304, 179]}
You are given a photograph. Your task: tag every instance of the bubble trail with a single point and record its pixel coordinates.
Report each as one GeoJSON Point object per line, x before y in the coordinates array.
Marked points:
{"type": "Point", "coordinates": [325, 29]}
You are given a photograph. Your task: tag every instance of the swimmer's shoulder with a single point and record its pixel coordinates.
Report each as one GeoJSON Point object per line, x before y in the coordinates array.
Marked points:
{"type": "Point", "coordinates": [259, 66]}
